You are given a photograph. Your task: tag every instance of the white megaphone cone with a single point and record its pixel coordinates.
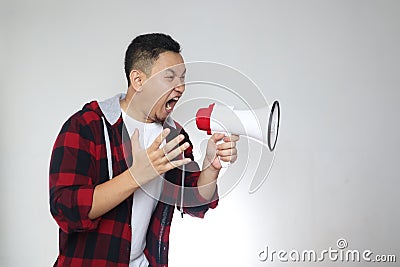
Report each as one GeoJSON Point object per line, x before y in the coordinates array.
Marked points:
{"type": "Point", "coordinates": [261, 125]}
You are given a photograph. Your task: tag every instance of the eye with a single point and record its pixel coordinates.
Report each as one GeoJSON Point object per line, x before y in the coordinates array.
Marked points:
{"type": "Point", "coordinates": [169, 77]}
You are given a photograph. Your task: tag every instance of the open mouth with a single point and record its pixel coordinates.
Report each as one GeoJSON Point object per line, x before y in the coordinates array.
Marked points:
{"type": "Point", "coordinates": [169, 106]}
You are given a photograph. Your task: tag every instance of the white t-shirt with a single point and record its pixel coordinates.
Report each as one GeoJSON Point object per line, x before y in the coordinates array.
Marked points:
{"type": "Point", "coordinates": [146, 197]}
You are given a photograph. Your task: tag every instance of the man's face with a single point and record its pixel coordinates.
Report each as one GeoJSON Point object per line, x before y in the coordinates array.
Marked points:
{"type": "Point", "coordinates": [165, 86]}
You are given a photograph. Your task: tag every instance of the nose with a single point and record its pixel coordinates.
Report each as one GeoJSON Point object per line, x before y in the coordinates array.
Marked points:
{"type": "Point", "coordinates": [180, 88]}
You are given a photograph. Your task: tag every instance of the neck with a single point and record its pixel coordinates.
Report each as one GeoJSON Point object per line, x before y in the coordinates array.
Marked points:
{"type": "Point", "coordinates": [132, 107]}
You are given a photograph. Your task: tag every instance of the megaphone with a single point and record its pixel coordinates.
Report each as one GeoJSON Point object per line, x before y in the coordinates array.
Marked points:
{"type": "Point", "coordinates": [261, 125]}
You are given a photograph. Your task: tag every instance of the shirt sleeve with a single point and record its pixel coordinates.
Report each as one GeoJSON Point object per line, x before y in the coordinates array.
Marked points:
{"type": "Point", "coordinates": [72, 165]}
{"type": "Point", "coordinates": [193, 202]}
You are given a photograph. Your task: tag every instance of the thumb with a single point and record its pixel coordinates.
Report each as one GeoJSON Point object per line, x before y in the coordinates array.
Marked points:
{"type": "Point", "coordinates": [135, 140]}
{"type": "Point", "coordinates": [217, 137]}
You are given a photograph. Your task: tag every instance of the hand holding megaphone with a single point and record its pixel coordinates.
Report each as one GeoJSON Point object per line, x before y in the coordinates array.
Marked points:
{"type": "Point", "coordinates": [220, 151]}
{"type": "Point", "coordinates": [261, 125]}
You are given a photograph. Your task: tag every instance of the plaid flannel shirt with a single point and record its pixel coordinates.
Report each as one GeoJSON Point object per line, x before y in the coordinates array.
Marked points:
{"type": "Point", "coordinates": [79, 163]}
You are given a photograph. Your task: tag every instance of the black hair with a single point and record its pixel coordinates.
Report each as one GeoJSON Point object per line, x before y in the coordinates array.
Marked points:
{"type": "Point", "coordinates": [145, 49]}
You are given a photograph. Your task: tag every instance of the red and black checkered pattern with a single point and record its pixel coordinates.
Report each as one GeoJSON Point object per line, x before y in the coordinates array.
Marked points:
{"type": "Point", "coordinates": [78, 164]}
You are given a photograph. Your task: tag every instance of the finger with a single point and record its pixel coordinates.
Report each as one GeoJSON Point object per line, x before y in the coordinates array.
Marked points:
{"type": "Point", "coordinates": [135, 140]}
{"type": "Point", "coordinates": [227, 152]}
{"type": "Point", "coordinates": [231, 138]}
{"type": "Point", "coordinates": [176, 163]}
{"type": "Point", "coordinates": [173, 143]}
{"type": "Point", "coordinates": [227, 145]}
{"type": "Point", "coordinates": [217, 136]}
{"type": "Point", "coordinates": [159, 139]}
{"type": "Point", "coordinates": [177, 151]}
{"type": "Point", "coordinates": [230, 159]}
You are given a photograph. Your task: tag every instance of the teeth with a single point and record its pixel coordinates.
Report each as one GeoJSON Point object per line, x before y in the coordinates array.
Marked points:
{"type": "Point", "coordinates": [168, 106]}
{"type": "Point", "coordinates": [176, 98]}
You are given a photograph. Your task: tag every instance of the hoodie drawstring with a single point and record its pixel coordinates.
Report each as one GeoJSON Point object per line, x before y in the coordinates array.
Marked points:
{"type": "Point", "coordinates": [182, 184]}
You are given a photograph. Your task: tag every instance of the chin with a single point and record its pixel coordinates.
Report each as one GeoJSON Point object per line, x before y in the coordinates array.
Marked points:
{"type": "Point", "coordinates": [161, 119]}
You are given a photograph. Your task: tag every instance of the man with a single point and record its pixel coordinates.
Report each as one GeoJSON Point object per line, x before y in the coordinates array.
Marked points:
{"type": "Point", "coordinates": [113, 197]}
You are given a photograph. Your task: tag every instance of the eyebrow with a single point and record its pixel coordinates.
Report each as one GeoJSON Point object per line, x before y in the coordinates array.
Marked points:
{"type": "Point", "coordinates": [174, 73]}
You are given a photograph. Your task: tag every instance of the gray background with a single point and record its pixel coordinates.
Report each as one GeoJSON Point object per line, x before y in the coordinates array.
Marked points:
{"type": "Point", "coordinates": [334, 66]}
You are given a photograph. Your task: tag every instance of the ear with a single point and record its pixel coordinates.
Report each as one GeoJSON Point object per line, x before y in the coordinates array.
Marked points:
{"type": "Point", "coordinates": [136, 77]}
